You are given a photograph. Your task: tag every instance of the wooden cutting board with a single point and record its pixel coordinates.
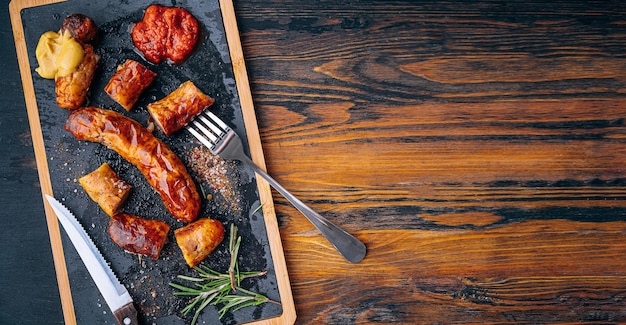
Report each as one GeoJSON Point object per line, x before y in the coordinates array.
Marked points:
{"type": "Point", "coordinates": [60, 158]}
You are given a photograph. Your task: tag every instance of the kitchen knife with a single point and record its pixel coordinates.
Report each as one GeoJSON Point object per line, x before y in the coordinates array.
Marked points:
{"type": "Point", "coordinates": [114, 293]}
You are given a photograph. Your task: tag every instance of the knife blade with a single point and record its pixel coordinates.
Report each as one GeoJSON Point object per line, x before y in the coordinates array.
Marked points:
{"type": "Point", "coordinates": [114, 293]}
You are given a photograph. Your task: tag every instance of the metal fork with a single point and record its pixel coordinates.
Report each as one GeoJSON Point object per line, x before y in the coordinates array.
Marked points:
{"type": "Point", "coordinates": [223, 141]}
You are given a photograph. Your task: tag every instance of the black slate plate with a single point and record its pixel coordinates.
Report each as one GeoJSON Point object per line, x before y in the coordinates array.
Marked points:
{"type": "Point", "coordinates": [68, 159]}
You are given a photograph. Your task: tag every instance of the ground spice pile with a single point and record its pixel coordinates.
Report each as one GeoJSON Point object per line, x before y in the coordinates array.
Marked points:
{"type": "Point", "coordinates": [215, 176]}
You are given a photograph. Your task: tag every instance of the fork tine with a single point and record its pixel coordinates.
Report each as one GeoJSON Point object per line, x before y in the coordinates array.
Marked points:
{"type": "Point", "coordinates": [214, 129]}
{"type": "Point", "coordinates": [200, 137]}
{"type": "Point", "coordinates": [212, 134]}
{"type": "Point", "coordinates": [208, 129]}
{"type": "Point", "coordinates": [218, 121]}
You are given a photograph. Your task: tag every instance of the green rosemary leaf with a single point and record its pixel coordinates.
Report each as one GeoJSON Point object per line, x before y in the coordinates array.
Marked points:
{"type": "Point", "coordinates": [183, 288]}
{"type": "Point", "coordinates": [233, 269]}
{"type": "Point", "coordinates": [257, 209]}
{"type": "Point", "coordinates": [202, 191]}
{"type": "Point", "coordinates": [215, 288]}
{"type": "Point", "coordinates": [191, 306]}
{"type": "Point", "coordinates": [189, 278]}
{"type": "Point", "coordinates": [207, 300]}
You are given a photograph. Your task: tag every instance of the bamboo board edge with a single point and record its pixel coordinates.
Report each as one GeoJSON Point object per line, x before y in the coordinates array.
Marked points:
{"type": "Point", "coordinates": [58, 257]}
{"type": "Point", "coordinates": [288, 315]}
{"type": "Point", "coordinates": [247, 106]}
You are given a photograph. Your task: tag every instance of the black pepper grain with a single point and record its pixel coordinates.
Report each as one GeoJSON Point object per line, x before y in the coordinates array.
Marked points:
{"type": "Point", "coordinates": [215, 173]}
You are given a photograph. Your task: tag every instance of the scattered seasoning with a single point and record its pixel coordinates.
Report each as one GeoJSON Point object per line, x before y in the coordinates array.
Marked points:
{"type": "Point", "coordinates": [215, 176]}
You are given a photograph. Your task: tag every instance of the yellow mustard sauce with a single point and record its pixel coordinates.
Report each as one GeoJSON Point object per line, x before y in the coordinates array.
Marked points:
{"type": "Point", "coordinates": [58, 55]}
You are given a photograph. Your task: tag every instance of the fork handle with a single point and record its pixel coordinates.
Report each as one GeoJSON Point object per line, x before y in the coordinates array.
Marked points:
{"type": "Point", "coordinates": [347, 245]}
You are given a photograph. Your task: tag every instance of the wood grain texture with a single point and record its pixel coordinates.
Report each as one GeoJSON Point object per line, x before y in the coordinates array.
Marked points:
{"type": "Point", "coordinates": [476, 148]}
{"type": "Point", "coordinates": [247, 109]}
{"type": "Point", "coordinates": [288, 315]}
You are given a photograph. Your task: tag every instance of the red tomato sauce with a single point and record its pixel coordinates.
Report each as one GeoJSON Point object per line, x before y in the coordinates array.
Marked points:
{"type": "Point", "coordinates": [166, 33]}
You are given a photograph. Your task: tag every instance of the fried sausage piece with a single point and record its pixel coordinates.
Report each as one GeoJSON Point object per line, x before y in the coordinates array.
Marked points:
{"type": "Point", "coordinates": [128, 82]}
{"type": "Point", "coordinates": [106, 188]}
{"type": "Point", "coordinates": [82, 28]}
{"type": "Point", "coordinates": [179, 107]}
{"type": "Point", "coordinates": [198, 239]}
{"type": "Point", "coordinates": [138, 235]}
{"type": "Point", "coordinates": [71, 90]}
{"type": "Point", "coordinates": [162, 168]}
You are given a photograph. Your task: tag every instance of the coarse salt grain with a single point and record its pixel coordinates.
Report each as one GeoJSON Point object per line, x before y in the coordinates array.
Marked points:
{"type": "Point", "coordinates": [215, 171]}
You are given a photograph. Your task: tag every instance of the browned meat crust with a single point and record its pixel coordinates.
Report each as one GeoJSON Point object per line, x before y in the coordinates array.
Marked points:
{"type": "Point", "coordinates": [128, 82]}
{"type": "Point", "coordinates": [162, 168]}
{"type": "Point", "coordinates": [138, 235]}
{"type": "Point", "coordinates": [198, 239]}
{"type": "Point", "coordinates": [71, 90]}
{"type": "Point", "coordinates": [82, 28]}
{"type": "Point", "coordinates": [179, 107]}
{"type": "Point", "coordinates": [106, 188]}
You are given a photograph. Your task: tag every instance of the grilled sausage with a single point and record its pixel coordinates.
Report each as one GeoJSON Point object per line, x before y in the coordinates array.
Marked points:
{"type": "Point", "coordinates": [130, 79]}
{"type": "Point", "coordinates": [198, 239]}
{"type": "Point", "coordinates": [82, 28]}
{"type": "Point", "coordinates": [179, 107]}
{"type": "Point", "coordinates": [138, 235]}
{"type": "Point", "coordinates": [106, 188]}
{"type": "Point", "coordinates": [71, 90]}
{"type": "Point", "coordinates": [162, 168]}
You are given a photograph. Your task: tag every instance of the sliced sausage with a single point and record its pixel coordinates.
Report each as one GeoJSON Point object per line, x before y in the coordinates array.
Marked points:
{"type": "Point", "coordinates": [198, 239]}
{"type": "Point", "coordinates": [162, 168]}
{"type": "Point", "coordinates": [174, 111]}
{"type": "Point", "coordinates": [138, 235]}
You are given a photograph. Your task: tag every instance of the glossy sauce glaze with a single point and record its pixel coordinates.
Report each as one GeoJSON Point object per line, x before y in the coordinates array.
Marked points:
{"type": "Point", "coordinates": [138, 235]}
{"type": "Point", "coordinates": [179, 107]}
{"type": "Point", "coordinates": [162, 168]}
{"type": "Point", "coordinates": [128, 82]}
{"type": "Point", "coordinates": [165, 33]}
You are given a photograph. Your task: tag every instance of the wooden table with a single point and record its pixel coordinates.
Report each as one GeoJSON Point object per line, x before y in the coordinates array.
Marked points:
{"type": "Point", "coordinates": [476, 148]}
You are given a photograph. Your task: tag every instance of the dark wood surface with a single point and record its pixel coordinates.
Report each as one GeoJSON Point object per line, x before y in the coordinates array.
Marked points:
{"type": "Point", "coordinates": [476, 148]}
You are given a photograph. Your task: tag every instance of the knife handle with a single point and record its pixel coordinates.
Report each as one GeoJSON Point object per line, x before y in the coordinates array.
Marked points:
{"type": "Point", "coordinates": [127, 315]}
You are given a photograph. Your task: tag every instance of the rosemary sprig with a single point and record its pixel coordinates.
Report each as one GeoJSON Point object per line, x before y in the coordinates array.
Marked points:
{"type": "Point", "coordinates": [233, 248]}
{"type": "Point", "coordinates": [257, 209]}
{"type": "Point", "coordinates": [215, 288]}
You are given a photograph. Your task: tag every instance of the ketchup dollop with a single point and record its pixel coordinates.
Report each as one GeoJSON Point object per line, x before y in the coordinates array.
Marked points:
{"type": "Point", "coordinates": [166, 33]}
